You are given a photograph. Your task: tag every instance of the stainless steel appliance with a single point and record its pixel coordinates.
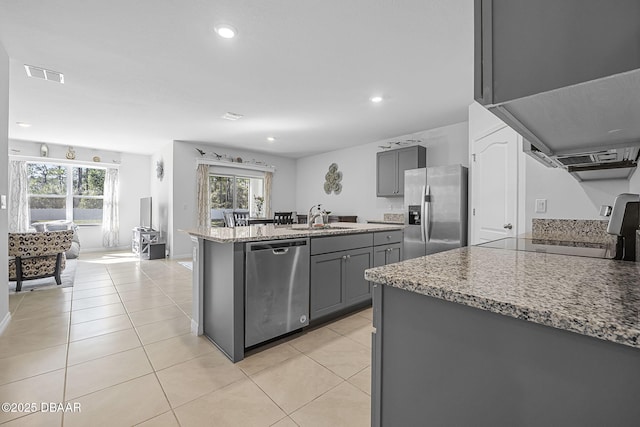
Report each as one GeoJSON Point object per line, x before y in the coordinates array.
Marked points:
{"type": "Point", "coordinates": [436, 202]}
{"type": "Point", "coordinates": [276, 288]}
{"type": "Point", "coordinates": [624, 221]}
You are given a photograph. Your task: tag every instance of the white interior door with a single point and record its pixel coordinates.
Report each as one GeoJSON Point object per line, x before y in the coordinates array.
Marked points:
{"type": "Point", "coordinates": [494, 182]}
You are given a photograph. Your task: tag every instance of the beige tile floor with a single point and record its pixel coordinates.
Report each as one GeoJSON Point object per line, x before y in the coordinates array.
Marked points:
{"type": "Point", "coordinates": [119, 344]}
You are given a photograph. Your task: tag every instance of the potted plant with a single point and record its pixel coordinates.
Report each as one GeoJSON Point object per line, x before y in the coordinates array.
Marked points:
{"type": "Point", "coordinates": [258, 201]}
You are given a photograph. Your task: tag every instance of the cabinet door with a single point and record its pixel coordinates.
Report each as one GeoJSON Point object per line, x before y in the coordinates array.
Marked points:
{"type": "Point", "coordinates": [327, 278]}
{"type": "Point", "coordinates": [387, 254]}
{"type": "Point", "coordinates": [379, 256]}
{"type": "Point", "coordinates": [407, 159]}
{"type": "Point", "coordinates": [393, 254]}
{"type": "Point", "coordinates": [387, 174]}
{"type": "Point", "coordinates": [357, 288]}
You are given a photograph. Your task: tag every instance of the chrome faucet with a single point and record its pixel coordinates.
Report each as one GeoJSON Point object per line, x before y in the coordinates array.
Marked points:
{"type": "Point", "coordinates": [311, 217]}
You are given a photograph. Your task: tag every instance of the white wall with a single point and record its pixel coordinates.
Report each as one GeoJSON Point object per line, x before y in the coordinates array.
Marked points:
{"type": "Point", "coordinates": [566, 197]}
{"type": "Point", "coordinates": [4, 186]}
{"type": "Point", "coordinates": [634, 182]}
{"type": "Point", "coordinates": [445, 145]}
{"type": "Point", "coordinates": [134, 184]}
{"type": "Point", "coordinates": [161, 192]}
{"type": "Point", "coordinates": [180, 171]}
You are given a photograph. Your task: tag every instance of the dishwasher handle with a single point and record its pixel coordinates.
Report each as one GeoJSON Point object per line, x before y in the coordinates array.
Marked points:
{"type": "Point", "coordinates": [278, 247]}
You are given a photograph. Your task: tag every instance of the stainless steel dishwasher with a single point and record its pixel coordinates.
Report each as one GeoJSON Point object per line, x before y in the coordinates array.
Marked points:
{"type": "Point", "coordinates": [276, 289]}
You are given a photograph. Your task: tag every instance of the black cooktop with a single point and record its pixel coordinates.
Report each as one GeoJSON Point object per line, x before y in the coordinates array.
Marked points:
{"type": "Point", "coordinates": [584, 249]}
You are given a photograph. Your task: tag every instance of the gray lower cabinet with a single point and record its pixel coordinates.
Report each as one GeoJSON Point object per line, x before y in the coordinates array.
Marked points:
{"type": "Point", "coordinates": [438, 363]}
{"type": "Point", "coordinates": [387, 254]}
{"type": "Point", "coordinates": [337, 281]}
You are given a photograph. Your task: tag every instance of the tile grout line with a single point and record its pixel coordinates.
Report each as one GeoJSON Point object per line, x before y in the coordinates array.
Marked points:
{"type": "Point", "coordinates": [66, 360]}
{"type": "Point", "coordinates": [153, 369]}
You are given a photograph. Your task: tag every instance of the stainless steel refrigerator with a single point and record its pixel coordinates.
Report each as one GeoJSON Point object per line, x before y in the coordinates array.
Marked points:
{"type": "Point", "coordinates": [435, 200]}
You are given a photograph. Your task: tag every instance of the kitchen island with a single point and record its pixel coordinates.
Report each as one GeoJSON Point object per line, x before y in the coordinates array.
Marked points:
{"type": "Point", "coordinates": [481, 336]}
{"type": "Point", "coordinates": [332, 263]}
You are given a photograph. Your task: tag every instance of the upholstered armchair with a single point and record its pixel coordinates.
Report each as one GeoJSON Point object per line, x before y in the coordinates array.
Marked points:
{"type": "Point", "coordinates": [37, 255]}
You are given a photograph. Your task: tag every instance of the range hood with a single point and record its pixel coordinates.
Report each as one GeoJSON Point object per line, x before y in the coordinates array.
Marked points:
{"type": "Point", "coordinates": [613, 163]}
{"type": "Point", "coordinates": [588, 127]}
{"type": "Point", "coordinates": [568, 82]}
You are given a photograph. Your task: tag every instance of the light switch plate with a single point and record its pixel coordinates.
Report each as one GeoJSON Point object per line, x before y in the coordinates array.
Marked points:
{"type": "Point", "coordinates": [3, 201]}
{"type": "Point", "coordinates": [541, 205]}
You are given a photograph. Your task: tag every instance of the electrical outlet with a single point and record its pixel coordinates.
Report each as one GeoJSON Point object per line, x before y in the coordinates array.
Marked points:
{"type": "Point", "coordinates": [541, 205]}
{"type": "Point", "coordinates": [3, 201]}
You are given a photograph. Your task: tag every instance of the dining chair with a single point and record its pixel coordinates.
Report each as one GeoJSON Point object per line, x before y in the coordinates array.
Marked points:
{"type": "Point", "coordinates": [228, 219]}
{"type": "Point", "coordinates": [241, 218]}
{"type": "Point", "coordinates": [283, 218]}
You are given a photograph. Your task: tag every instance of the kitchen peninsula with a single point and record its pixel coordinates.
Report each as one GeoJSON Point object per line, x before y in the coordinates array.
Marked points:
{"type": "Point", "coordinates": [321, 269]}
{"type": "Point", "coordinates": [483, 336]}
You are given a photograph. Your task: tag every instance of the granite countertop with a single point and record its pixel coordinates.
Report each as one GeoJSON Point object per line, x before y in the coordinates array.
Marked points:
{"type": "Point", "coordinates": [254, 233]}
{"type": "Point", "coordinates": [595, 297]}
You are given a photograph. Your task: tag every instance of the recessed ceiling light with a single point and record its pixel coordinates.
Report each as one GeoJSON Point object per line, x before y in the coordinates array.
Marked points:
{"type": "Point", "coordinates": [231, 116]}
{"type": "Point", "coordinates": [270, 139]}
{"type": "Point", "coordinates": [23, 124]}
{"type": "Point", "coordinates": [376, 99]}
{"type": "Point", "coordinates": [226, 31]}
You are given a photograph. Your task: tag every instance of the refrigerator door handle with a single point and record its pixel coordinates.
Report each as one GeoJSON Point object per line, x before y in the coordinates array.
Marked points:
{"type": "Point", "coordinates": [423, 235]}
{"type": "Point", "coordinates": [426, 219]}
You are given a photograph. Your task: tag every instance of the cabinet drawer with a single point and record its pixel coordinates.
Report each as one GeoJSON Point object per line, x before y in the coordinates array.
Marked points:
{"type": "Point", "coordinates": [386, 237]}
{"type": "Point", "coordinates": [323, 245]}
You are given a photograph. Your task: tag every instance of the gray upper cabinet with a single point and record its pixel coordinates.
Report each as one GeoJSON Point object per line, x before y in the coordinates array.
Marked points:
{"type": "Point", "coordinates": [391, 166]}
{"type": "Point", "coordinates": [525, 47]}
{"type": "Point", "coordinates": [563, 74]}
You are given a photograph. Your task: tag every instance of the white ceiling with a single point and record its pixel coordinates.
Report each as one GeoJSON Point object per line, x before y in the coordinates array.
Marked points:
{"type": "Point", "coordinates": [139, 74]}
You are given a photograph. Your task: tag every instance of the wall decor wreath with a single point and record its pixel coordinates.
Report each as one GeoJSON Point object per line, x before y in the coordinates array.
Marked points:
{"type": "Point", "coordinates": [332, 180]}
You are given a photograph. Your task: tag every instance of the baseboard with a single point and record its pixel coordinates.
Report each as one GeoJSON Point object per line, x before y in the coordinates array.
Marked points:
{"type": "Point", "coordinates": [194, 327]}
{"type": "Point", "coordinates": [5, 322]}
{"type": "Point", "coordinates": [187, 255]}
{"type": "Point", "coordinates": [103, 249]}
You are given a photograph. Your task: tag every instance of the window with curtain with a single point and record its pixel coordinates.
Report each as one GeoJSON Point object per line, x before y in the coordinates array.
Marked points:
{"type": "Point", "coordinates": [235, 192]}
{"type": "Point", "coordinates": [65, 192]}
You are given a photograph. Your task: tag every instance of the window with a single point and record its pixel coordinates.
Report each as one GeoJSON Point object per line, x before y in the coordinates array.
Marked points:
{"type": "Point", "coordinates": [61, 192]}
{"type": "Point", "coordinates": [239, 193]}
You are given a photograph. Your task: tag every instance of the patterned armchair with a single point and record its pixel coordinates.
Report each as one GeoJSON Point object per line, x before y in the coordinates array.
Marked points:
{"type": "Point", "coordinates": [37, 255]}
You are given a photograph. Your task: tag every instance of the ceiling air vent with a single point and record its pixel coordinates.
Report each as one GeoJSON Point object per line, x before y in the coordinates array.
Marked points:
{"type": "Point", "coordinates": [42, 73]}
{"type": "Point", "coordinates": [231, 116]}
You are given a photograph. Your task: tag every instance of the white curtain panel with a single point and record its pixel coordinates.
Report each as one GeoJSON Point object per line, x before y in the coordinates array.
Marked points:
{"type": "Point", "coordinates": [268, 178]}
{"type": "Point", "coordinates": [204, 203]}
{"type": "Point", "coordinates": [110, 210]}
{"type": "Point", "coordinates": [18, 197]}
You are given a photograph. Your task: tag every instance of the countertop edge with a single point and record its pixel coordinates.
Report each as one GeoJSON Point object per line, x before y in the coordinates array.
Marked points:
{"type": "Point", "coordinates": [253, 233]}
{"type": "Point", "coordinates": [620, 334]}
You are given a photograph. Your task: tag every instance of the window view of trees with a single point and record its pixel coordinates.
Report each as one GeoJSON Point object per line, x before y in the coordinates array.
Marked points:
{"type": "Point", "coordinates": [232, 193]}
{"type": "Point", "coordinates": [221, 188]}
{"type": "Point", "coordinates": [52, 193]}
